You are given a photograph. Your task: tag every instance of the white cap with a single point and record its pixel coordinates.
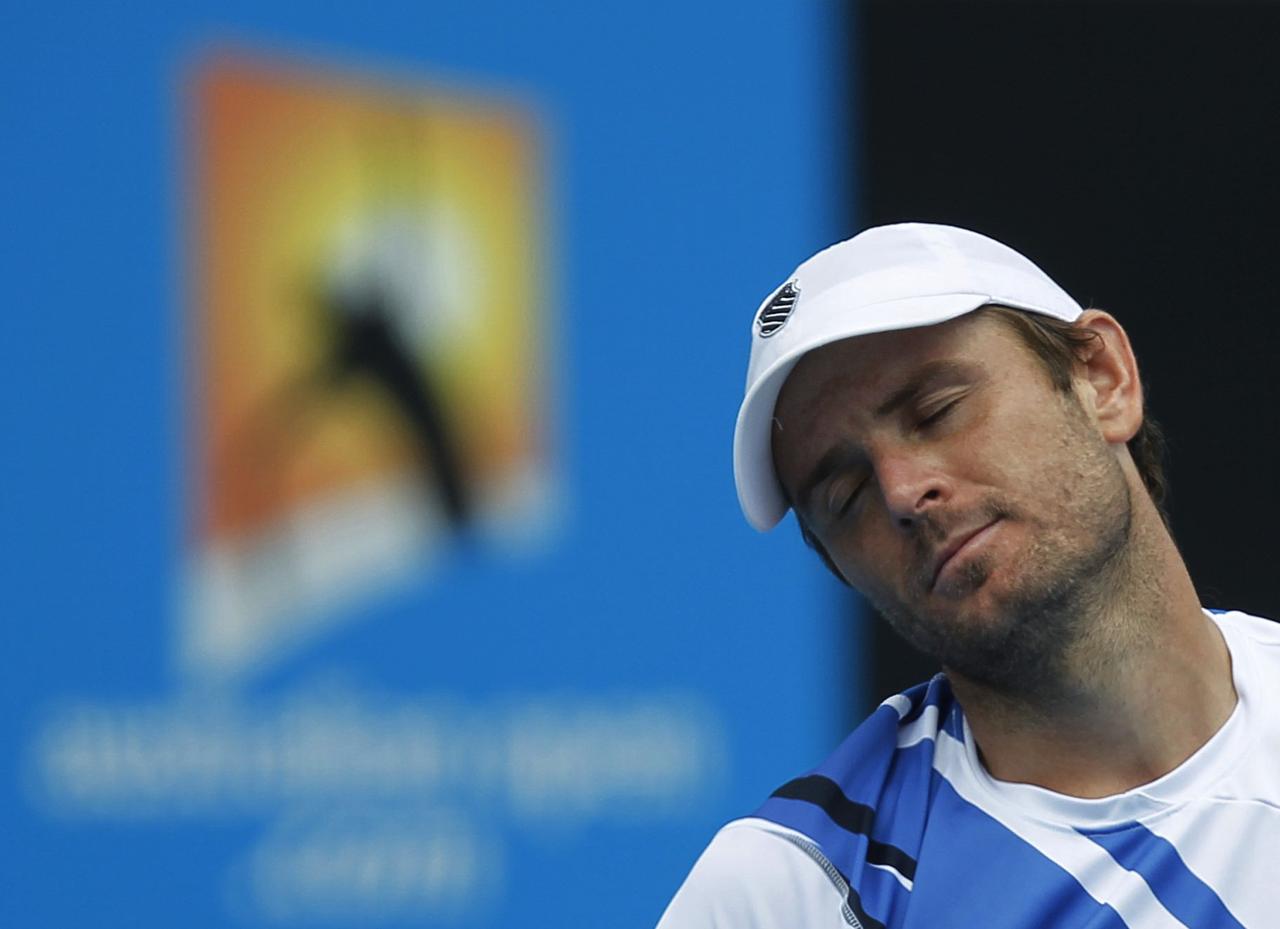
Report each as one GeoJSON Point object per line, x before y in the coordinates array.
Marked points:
{"type": "Point", "coordinates": [889, 277]}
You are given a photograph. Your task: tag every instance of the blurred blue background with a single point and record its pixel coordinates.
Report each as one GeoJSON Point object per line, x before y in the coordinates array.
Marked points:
{"type": "Point", "coordinates": [547, 732]}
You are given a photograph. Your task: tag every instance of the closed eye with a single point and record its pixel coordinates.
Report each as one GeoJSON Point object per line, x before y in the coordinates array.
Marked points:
{"type": "Point", "coordinates": [840, 496]}
{"type": "Point", "coordinates": [938, 415]}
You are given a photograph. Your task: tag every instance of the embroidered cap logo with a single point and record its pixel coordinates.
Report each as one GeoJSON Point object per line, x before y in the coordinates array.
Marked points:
{"type": "Point", "coordinates": [774, 314]}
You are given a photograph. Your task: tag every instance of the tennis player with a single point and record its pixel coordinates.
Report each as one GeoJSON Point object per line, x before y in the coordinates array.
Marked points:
{"type": "Point", "coordinates": [966, 445]}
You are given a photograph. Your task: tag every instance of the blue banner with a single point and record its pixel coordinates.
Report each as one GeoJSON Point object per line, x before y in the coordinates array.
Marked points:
{"type": "Point", "coordinates": [373, 552]}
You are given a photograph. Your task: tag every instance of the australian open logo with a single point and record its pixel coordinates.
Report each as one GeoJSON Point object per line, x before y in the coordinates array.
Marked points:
{"type": "Point", "coordinates": [774, 314]}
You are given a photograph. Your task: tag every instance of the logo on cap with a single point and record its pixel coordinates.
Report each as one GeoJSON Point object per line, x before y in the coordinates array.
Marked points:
{"type": "Point", "coordinates": [774, 314]}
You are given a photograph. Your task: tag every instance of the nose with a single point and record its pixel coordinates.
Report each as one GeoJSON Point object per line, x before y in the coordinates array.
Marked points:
{"type": "Point", "coordinates": [912, 485]}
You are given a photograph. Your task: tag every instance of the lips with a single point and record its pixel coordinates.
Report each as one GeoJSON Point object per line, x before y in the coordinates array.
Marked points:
{"type": "Point", "coordinates": [953, 546]}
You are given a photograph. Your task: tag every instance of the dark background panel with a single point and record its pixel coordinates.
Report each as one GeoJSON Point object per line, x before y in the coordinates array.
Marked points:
{"type": "Point", "coordinates": [1132, 151]}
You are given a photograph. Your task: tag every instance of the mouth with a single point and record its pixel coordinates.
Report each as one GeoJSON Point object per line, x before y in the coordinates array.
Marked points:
{"type": "Point", "coordinates": [953, 547]}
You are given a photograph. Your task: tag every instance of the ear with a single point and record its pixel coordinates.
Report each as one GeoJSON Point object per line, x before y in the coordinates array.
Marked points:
{"type": "Point", "coordinates": [1108, 378]}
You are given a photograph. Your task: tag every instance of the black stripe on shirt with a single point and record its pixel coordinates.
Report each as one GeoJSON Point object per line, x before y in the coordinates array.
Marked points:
{"type": "Point", "coordinates": [850, 816]}
{"type": "Point", "coordinates": [855, 904]}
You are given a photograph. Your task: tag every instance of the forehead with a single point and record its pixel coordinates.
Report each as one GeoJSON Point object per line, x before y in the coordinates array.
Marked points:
{"type": "Point", "coordinates": [851, 377]}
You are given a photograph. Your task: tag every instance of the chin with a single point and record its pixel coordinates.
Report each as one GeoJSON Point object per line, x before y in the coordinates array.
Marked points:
{"type": "Point", "coordinates": [939, 626]}
{"type": "Point", "coordinates": [969, 585]}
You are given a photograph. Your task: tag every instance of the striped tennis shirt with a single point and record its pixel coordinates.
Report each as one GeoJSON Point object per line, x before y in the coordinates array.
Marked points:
{"type": "Point", "coordinates": [902, 827]}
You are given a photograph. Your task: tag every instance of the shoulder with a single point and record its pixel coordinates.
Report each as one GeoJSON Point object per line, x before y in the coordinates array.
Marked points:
{"type": "Point", "coordinates": [822, 842]}
{"type": "Point", "coordinates": [1253, 638]}
{"type": "Point", "coordinates": [758, 875]}
{"type": "Point", "coordinates": [881, 756]}
{"type": "Point", "coordinates": [1264, 632]}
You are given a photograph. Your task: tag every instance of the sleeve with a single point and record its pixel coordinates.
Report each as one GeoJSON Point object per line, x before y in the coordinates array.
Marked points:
{"type": "Point", "coordinates": [752, 877]}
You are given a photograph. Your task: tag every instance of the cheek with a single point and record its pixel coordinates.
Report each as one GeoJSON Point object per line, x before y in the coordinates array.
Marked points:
{"type": "Point", "coordinates": [1029, 454]}
{"type": "Point", "coordinates": [873, 563]}
{"type": "Point", "coordinates": [1052, 477]}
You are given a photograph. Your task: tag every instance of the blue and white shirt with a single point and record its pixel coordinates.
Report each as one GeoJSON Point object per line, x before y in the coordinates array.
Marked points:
{"type": "Point", "coordinates": [902, 827]}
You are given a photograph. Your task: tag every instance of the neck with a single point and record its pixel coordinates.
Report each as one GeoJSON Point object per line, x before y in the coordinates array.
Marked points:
{"type": "Point", "coordinates": [1144, 686]}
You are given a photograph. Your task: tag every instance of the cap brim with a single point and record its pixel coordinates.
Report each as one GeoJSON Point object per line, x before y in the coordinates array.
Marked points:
{"type": "Point", "coordinates": [758, 491]}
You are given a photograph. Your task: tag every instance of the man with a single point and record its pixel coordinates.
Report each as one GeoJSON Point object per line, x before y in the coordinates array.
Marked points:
{"type": "Point", "coordinates": [966, 446]}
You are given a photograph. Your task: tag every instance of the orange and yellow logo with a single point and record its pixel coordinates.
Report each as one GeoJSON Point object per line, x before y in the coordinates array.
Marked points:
{"type": "Point", "coordinates": [369, 345]}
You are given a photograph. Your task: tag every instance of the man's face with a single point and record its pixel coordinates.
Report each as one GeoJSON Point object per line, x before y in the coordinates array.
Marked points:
{"type": "Point", "coordinates": [972, 502]}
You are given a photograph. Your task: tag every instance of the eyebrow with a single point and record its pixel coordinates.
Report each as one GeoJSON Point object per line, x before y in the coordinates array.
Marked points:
{"type": "Point", "coordinates": [843, 455]}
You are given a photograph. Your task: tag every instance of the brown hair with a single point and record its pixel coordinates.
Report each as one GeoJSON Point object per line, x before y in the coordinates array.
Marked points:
{"type": "Point", "coordinates": [1058, 344]}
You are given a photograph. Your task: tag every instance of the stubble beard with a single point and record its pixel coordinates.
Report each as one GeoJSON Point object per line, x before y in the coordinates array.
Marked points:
{"type": "Point", "coordinates": [1020, 645]}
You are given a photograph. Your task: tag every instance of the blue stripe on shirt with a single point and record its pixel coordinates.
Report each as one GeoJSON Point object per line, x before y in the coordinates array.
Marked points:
{"type": "Point", "coordinates": [973, 871]}
{"type": "Point", "coordinates": [1183, 894]}
{"type": "Point", "coordinates": [970, 869]}
{"type": "Point", "coordinates": [902, 807]}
